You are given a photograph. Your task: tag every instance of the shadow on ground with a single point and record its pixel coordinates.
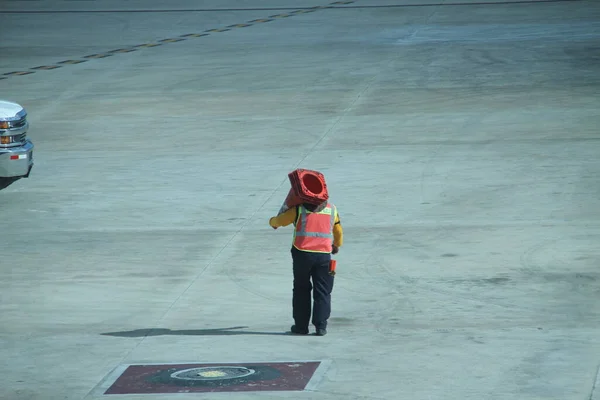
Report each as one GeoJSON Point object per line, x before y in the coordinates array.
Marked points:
{"type": "Point", "coordinates": [191, 332]}
{"type": "Point", "coordinates": [6, 182]}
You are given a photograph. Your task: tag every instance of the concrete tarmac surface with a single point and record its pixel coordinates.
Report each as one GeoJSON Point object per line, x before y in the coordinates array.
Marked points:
{"type": "Point", "coordinates": [460, 142]}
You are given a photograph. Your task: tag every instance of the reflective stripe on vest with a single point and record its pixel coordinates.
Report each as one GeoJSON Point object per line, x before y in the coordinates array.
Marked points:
{"type": "Point", "coordinates": [323, 239]}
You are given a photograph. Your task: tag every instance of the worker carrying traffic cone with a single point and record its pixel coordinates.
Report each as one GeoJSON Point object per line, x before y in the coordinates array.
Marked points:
{"type": "Point", "coordinates": [317, 235]}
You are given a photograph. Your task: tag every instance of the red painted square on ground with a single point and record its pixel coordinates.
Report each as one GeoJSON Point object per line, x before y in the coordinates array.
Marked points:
{"type": "Point", "coordinates": [197, 378]}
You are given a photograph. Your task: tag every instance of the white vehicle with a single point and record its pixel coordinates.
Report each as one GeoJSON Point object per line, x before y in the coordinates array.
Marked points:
{"type": "Point", "coordinates": [16, 150]}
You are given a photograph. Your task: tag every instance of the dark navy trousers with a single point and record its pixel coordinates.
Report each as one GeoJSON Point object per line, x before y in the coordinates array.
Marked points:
{"type": "Point", "coordinates": [313, 267]}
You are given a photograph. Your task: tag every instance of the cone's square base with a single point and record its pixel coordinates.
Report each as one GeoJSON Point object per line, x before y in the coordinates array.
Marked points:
{"type": "Point", "coordinates": [200, 378]}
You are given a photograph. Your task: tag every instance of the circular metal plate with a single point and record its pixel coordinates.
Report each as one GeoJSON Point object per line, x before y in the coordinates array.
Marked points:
{"type": "Point", "coordinates": [212, 373]}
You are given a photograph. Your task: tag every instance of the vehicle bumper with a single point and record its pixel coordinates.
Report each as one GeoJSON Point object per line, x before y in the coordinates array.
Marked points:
{"type": "Point", "coordinates": [15, 131]}
{"type": "Point", "coordinates": [16, 162]}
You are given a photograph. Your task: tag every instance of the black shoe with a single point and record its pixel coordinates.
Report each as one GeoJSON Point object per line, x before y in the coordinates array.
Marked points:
{"type": "Point", "coordinates": [321, 332]}
{"type": "Point", "coordinates": [299, 331]}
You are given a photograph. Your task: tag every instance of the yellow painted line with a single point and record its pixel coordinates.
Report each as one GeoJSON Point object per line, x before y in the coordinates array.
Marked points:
{"type": "Point", "coordinates": [72, 62]}
{"type": "Point", "coordinates": [98, 56]}
{"type": "Point", "coordinates": [194, 35]}
{"type": "Point", "coordinates": [121, 51]}
{"type": "Point", "coordinates": [171, 40]}
{"type": "Point", "coordinates": [47, 67]}
{"type": "Point", "coordinates": [19, 73]}
{"type": "Point", "coordinates": [148, 45]}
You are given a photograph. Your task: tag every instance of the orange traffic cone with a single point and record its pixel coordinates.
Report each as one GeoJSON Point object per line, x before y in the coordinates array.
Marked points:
{"type": "Point", "coordinates": [307, 187]}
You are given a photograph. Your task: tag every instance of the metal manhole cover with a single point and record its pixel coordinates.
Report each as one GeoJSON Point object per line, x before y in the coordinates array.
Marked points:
{"type": "Point", "coordinates": [180, 378]}
{"type": "Point", "coordinates": [212, 373]}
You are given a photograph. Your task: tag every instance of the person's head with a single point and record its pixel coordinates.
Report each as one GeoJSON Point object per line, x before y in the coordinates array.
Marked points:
{"type": "Point", "coordinates": [315, 207]}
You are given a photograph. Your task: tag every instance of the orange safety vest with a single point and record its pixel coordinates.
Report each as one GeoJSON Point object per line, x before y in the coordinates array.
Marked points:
{"type": "Point", "coordinates": [314, 230]}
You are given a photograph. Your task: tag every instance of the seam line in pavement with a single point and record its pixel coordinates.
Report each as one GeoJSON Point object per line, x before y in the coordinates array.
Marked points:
{"type": "Point", "coordinates": [180, 38]}
{"type": "Point", "coordinates": [595, 385]}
